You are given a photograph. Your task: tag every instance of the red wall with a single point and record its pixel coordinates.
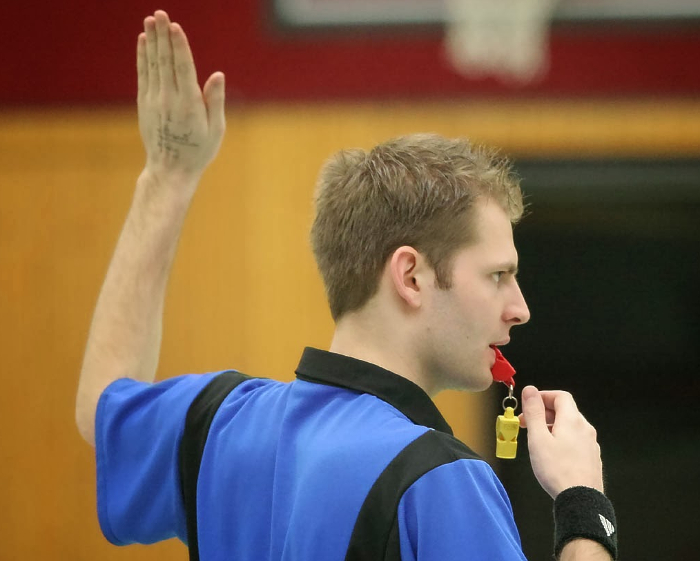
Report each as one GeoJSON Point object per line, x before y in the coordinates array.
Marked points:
{"type": "Point", "coordinates": [83, 52]}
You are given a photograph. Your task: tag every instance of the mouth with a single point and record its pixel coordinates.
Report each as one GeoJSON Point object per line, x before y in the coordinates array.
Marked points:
{"type": "Point", "coordinates": [496, 351]}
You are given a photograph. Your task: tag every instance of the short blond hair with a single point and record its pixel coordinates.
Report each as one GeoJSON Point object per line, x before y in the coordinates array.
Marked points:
{"type": "Point", "coordinates": [415, 190]}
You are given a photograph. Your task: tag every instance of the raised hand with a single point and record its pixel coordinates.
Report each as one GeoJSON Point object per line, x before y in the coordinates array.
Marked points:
{"type": "Point", "coordinates": [564, 451]}
{"type": "Point", "coordinates": [181, 125]}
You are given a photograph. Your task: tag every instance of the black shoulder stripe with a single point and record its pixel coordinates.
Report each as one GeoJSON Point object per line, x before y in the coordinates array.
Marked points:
{"type": "Point", "coordinates": [199, 418]}
{"type": "Point", "coordinates": [376, 534]}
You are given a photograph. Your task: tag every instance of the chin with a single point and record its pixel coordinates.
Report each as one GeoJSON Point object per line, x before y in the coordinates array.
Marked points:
{"type": "Point", "coordinates": [482, 385]}
{"type": "Point", "coordinates": [453, 375]}
{"type": "Point", "coordinates": [471, 382]}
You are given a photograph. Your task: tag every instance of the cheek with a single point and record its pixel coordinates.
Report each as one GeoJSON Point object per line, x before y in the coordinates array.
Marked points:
{"type": "Point", "coordinates": [474, 304]}
{"type": "Point", "coordinates": [464, 310]}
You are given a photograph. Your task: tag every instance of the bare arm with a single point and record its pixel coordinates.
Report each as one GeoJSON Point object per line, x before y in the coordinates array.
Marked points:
{"type": "Point", "coordinates": [565, 454]}
{"type": "Point", "coordinates": [181, 127]}
{"type": "Point", "coordinates": [584, 550]}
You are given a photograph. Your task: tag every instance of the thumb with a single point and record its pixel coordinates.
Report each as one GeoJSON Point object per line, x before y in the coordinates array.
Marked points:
{"type": "Point", "coordinates": [533, 411]}
{"type": "Point", "coordinates": [214, 97]}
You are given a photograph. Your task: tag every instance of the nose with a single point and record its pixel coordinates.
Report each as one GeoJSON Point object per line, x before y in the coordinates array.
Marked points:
{"type": "Point", "coordinates": [517, 311]}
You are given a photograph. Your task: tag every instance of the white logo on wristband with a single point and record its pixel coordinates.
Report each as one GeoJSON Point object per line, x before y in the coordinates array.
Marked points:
{"type": "Point", "coordinates": [609, 528]}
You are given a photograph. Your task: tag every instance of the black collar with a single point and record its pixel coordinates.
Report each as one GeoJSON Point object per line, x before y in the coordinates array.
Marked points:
{"type": "Point", "coordinates": [332, 369]}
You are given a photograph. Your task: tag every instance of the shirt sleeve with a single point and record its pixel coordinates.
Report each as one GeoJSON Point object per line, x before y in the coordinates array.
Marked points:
{"type": "Point", "coordinates": [138, 428]}
{"type": "Point", "coordinates": [459, 511]}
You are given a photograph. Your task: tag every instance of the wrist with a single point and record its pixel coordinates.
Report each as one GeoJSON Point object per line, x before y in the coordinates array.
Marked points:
{"type": "Point", "coordinates": [584, 512]}
{"type": "Point", "coordinates": [171, 189]}
{"type": "Point", "coordinates": [159, 208]}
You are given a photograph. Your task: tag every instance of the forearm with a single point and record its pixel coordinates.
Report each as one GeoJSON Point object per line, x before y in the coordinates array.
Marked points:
{"type": "Point", "coordinates": [584, 550]}
{"type": "Point", "coordinates": [125, 335]}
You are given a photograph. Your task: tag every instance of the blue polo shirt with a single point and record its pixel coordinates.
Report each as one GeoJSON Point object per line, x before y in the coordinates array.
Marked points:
{"type": "Point", "coordinates": [347, 459]}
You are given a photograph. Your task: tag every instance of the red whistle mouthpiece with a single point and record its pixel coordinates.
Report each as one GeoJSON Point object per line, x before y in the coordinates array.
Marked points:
{"type": "Point", "coordinates": [502, 371]}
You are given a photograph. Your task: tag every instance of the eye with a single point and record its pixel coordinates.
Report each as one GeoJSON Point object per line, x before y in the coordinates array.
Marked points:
{"type": "Point", "coordinates": [498, 275]}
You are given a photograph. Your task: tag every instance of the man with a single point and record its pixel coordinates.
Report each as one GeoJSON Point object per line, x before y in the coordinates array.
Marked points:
{"type": "Point", "coordinates": [352, 460]}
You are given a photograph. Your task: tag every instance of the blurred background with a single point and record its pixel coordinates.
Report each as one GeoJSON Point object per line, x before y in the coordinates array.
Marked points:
{"type": "Point", "coordinates": [599, 109]}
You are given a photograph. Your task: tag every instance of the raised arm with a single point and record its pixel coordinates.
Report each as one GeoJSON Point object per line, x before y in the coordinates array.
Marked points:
{"type": "Point", "coordinates": [181, 127]}
{"type": "Point", "coordinates": [565, 458]}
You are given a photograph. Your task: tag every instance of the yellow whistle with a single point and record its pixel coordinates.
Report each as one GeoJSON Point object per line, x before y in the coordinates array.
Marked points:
{"type": "Point", "coordinates": [507, 427]}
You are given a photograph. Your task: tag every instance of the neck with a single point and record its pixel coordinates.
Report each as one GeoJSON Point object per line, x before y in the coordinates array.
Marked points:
{"type": "Point", "coordinates": [362, 337]}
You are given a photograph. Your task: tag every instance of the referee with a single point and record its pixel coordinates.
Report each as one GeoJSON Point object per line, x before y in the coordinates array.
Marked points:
{"type": "Point", "coordinates": [351, 460]}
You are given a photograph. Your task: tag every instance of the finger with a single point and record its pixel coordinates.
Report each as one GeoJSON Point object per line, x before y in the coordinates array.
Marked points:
{"type": "Point", "coordinates": [561, 403]}
{"type": "Point", "coordinates": [214, 97]}
{"type": "Point", "coordinates": [165, 52]}
{"type": "Point", "coordinates": [149, 25]}
{"type": "Point", "coordinates": [185, 71]}
{"type": "Point", "coordinates": [142, 65]}
{"type": "Point", "coordinates": [534, 413]}
{"type": "Point", "coordinates": [549, 418]}
{"type": "Point", "coordinates": [550, 396]}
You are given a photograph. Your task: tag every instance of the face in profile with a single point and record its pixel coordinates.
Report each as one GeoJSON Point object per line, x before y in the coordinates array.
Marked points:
{"type": "Point", "coordinates": [464, 323]}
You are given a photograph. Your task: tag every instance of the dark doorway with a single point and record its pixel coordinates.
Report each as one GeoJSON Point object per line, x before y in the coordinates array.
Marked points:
{"type": "Point", "coordinates": [610, 267]}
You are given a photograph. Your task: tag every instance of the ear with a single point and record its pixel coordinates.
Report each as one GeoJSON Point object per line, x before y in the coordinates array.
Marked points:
{"type": "Point", "coordinates": [407, 268]}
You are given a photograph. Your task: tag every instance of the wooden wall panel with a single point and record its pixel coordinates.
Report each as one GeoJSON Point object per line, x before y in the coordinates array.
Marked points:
{"type": "Point", "coordinates": [244, 291]}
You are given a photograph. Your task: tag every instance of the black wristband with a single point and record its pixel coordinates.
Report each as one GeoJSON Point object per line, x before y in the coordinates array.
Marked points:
{"type": "Point", "coordinates": [583, 512]}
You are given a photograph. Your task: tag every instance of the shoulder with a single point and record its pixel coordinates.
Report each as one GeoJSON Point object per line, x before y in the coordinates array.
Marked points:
{"type": "Point", "coordinates": [435, 483]}
{"type": "Point", "coordinates": [423, 455]}
{"type": "Point", "coordinates": [427, 452]}
{"type": "Point", "coordinates": [449, 467]}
